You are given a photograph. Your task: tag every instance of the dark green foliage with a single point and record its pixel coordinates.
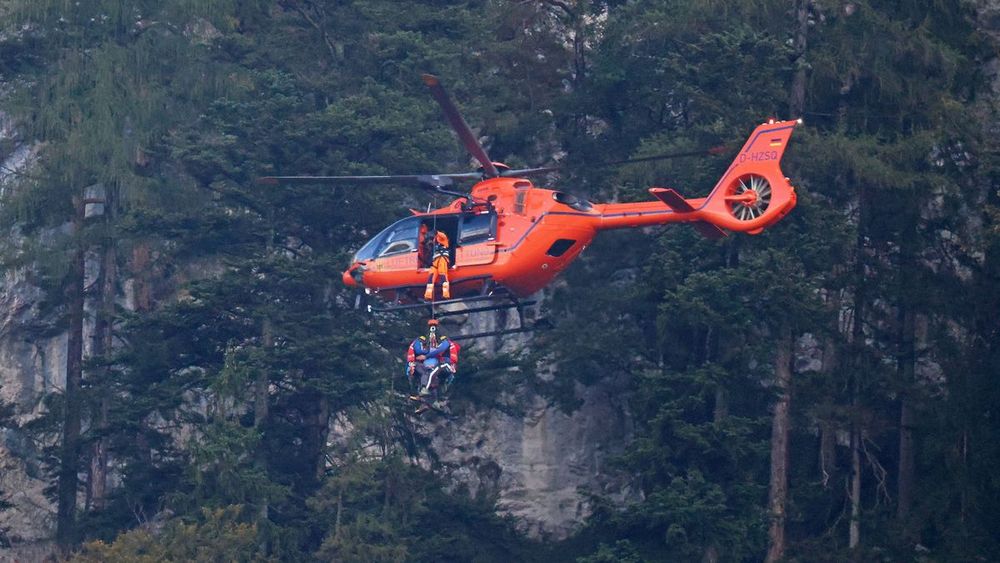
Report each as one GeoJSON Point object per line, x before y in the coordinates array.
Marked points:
{"type": "Point", "coordinates": [240, 345]}
{"type": "Point", "coordinates": [216, 535]}
{"type": "Point", "coordinates": [391, 511]}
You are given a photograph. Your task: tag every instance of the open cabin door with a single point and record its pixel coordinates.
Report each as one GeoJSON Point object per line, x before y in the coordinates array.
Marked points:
{"type": "Point", "coordinates": [477, 239]}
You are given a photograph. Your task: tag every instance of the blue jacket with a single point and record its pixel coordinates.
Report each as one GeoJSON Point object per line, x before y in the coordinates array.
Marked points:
{"type": "Point", "coordinates": [441, 352]}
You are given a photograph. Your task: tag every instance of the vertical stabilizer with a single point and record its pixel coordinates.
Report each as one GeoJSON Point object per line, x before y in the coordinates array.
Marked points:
{"type": "Point", "coordinates": [754, 193]}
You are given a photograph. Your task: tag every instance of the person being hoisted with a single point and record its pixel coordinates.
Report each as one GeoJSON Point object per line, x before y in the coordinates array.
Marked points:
{"type": "Point", "coordinates": [415, 357]}
{"type": "Point", "coordinates": [435, 360]}
{"type": "Point", "coordinates": [448, 365]}
{"type": "Point", "coordinates": [439, 267]}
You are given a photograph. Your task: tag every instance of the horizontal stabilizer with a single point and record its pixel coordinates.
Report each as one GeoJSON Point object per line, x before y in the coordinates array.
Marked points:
{"type": "Point", "coordinates": [677, 202]}
{"type": "Point", "coordinates": [673, 199]}
{"type": "Point", "coordinates": [709, 230]}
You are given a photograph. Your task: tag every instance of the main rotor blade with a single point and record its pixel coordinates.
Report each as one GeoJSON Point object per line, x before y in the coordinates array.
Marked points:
{"type": "Point", "coordinates": [458, 124]}
{"type": "Point", "coordinates": [432, 179]}
{"type": "Point", "coordinates": [525, 172]}
{"type": "Point", "coordinates": [714, 151]}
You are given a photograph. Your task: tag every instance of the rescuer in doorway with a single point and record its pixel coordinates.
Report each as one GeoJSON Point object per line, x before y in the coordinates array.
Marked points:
{"type": "Point", "coordinates": [439, 267]}
{"type": "Point", "coordinates": [425, 247]}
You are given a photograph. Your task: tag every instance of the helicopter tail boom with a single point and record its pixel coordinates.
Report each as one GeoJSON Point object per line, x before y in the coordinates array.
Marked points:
{"type": "Point", "coordinates": [751, 195]}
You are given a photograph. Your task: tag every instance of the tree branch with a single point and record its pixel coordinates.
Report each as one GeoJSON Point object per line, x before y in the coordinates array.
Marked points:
{"type": "Point", "coordinates": [297, 6]}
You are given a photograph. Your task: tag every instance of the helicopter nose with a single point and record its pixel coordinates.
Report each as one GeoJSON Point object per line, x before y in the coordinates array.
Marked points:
{"type": "Point", "coordinates": [354, 276]}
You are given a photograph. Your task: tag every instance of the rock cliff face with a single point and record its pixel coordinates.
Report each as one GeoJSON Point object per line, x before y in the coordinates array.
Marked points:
{"type": "Point", "coordinates": [32, 362]}
{"type": "Point", "coordinates": [28, 368]}
{"type": "Point", "coordinates": [538, 461]}
{"type": "Point", "coordinates": [541, 464]}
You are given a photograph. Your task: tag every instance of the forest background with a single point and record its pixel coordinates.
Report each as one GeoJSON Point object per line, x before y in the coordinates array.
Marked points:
{"type": "Point", "coordinates": [824, 391]}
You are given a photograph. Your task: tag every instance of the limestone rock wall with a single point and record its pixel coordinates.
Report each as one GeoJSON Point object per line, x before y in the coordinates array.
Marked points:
{"type": "Point", "coordinates": [28, 368]}
{"type": "Point", "coordinates": [541, 464]}
{"type": "Point", "coordinates": [32, 362]}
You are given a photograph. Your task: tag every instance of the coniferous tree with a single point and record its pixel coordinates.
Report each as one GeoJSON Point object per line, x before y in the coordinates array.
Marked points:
{"type": "Point", "coordinates": [95, 108]}
{"type": "Point", "coordinates": [217, 390]}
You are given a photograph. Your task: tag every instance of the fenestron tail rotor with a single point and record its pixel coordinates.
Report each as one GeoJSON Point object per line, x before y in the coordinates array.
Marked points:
{"type": "Point", "coordinates": [754, 193]}
{"type": "Point", "coordinates": [750, 197]}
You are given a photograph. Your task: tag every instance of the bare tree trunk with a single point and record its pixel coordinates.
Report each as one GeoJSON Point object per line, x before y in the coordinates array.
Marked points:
{"type": "Point", "coordinates": [780, 425]}
{"type": "Point", "coordinates": [906, 368]}
{"type": "Point", "coordinates": [340, 510]}
{"type": "Point", "coordinates": [70, 451]}
{"type": "Point", "coordinates": [262, 382]}
{"type": "Point", "coordinates": [827, 451]}
{"type": "Point", "coordinates": [579, 49]}
{"type": "Point", "coordinates": [855, 528]}
{"type": "Point", "coordinates": [261, 398]}
{"type": "Point", "coordinates": [827, 429]}
{"type": "Point", "coordinates": [797, 97]}
{"type": "Point", "coordinates": [142, 301]}
{"type": "Point", "coordinates": [906, 463]}
{"type": "Point", "coordinates": [963, 500]}
{"type": "Point", "coordinates": [103, 343]}
{"type": "Point", "coordinates": [857, 340]}
{"type": "Point", "coordinates": [323, 421]}
{"type": "Point", "coordinates": [573, 16]}
{"type": "Point", "coordinates": [141, 263]}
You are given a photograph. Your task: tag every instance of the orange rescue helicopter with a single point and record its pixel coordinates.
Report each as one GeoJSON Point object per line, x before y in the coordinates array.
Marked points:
{"type": "Point", "coordinates": [509, 238]}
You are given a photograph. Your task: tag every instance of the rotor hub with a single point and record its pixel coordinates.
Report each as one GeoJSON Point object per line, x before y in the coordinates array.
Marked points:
{"type": "Point", "coordinates": [749, 197]}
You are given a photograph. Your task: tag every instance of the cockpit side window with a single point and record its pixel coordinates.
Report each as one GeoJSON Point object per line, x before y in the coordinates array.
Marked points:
{"type": "Point", "coordinates": [367, 251]}
{"type": "Point", "coordinates": [399, 237]}
{"type": "Point", "coordinates": [398, 247]}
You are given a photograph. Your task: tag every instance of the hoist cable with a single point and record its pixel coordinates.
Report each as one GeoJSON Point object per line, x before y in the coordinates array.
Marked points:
{"type": "Point", "coordinates": [433, 253]}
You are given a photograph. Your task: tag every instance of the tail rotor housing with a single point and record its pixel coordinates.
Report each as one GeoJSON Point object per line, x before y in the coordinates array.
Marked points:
{"type": "Point", "coordinates": [754, 193]}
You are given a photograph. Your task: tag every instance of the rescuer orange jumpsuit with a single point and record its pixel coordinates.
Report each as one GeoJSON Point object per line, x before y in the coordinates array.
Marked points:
{"type": "Point", "coordinates": [439, 267]}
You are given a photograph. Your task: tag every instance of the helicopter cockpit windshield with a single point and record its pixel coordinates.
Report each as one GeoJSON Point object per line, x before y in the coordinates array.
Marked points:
{"type": "Point", "coordinates": [397, 238]}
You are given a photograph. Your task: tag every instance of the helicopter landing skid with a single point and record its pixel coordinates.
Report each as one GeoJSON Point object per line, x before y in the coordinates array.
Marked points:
{"type": "Point", "coordinates": [430, 305]}
{"type": "Point", "coordinates": [502, 301]}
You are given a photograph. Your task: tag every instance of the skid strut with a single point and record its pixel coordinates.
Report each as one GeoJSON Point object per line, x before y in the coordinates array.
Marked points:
{"type": "Point", "coordinates": [503, 300]}
{"type": "Point", "coordinates": [430, 305]}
